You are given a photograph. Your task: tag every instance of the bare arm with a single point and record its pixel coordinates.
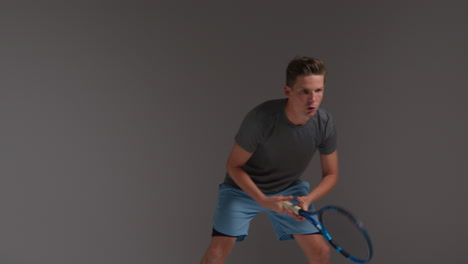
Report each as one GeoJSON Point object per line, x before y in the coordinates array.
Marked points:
{"type": "Point", "coordinates": [236, 160]}
{"type": "Point", "coordinates": [329, 164]}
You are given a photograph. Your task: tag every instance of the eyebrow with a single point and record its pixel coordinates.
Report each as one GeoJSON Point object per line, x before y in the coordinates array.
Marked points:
{"type": "Point", "coordinates": [323, 87]}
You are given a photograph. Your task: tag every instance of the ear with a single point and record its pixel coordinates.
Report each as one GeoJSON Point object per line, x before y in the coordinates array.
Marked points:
{"type": "Point", "coordinates": [287, 90]}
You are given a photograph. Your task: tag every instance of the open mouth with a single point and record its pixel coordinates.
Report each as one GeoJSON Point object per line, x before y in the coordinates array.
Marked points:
{"type": "Point", "coordinates": [310, 109]}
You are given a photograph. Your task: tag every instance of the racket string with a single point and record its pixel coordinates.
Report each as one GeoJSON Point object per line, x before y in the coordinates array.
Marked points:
{"type": "Point", "coordinates": [348, 235]}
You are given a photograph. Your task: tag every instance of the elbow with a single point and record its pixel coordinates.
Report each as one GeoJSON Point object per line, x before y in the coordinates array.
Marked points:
{"type": "Point", "coordinates": [333, 177]}
{"type": "Point", "coordinates": [233, 169]}
{"type": "Point", "coordinates": [230, 169]}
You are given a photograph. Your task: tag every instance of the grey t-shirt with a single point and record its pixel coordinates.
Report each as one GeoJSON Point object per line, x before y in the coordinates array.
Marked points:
{"type": "Point", "coordinates": [281, 150]}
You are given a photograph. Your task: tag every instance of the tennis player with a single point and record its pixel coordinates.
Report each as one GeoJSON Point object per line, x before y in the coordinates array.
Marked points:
{"type": "Point", "coordinates": [272, 148]}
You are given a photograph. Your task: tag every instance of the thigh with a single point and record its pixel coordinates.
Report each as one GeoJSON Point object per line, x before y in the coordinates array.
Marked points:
{"type": "Point", "coordinates": [222, 242]}
{"type": "Point", "coordinates": [315, 247]}
{"type": "Point", "coordinates": [234, 211]}
{"type": "Point", "coordinates": [311, 241]}
{"type": "Point", "coordinates": [219, 249]}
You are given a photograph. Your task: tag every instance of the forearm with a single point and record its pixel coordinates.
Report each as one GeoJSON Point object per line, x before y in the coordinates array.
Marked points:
{"type": "Point", "coordinates": [243, 180]}
{"type": "Point", "coordinates": [327, 183]}
{"type": "Point", "coordinates": [329, 164]}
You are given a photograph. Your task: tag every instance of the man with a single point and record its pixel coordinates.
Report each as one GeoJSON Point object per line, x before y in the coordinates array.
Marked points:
{"type": "Point", "coordinates": [272, 148]}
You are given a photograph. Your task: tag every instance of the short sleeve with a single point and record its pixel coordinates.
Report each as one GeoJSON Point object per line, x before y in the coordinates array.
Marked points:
{"type": "Point", "coordinates": [329, 137]}
{"type": "Point", "coordinates": [251, 131]}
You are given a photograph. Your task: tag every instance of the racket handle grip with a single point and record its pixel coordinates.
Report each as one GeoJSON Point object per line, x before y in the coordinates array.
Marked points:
{"type": "Point", "coordinates": [292, 207]}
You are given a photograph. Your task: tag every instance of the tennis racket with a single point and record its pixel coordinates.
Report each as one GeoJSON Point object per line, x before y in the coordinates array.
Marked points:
{"type": "Point", "coordinates": [341, 229]}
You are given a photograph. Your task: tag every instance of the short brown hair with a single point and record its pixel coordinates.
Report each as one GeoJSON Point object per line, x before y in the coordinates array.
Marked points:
{"type": "Point", "coordinates": [303, 66]}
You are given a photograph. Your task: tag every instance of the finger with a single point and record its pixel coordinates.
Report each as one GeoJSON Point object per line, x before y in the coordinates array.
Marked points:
{"type": "Point", "coordinates": [300, 200]}
{"type": "Point", "coordinates": [299, 218]}
{"type": "Point", "coordinates": [303, 204]}
{"type": "Point", "coordinates": [290, 213]}
{"type": "Point", "coordinates": [282, 198]}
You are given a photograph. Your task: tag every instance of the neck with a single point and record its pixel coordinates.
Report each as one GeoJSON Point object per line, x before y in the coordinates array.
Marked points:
{"type": "Point", "coordinates": [293, 117]}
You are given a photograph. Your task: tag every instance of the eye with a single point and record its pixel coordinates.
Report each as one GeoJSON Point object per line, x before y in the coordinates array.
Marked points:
{"type": "Point", "coordinates": [305, 91]}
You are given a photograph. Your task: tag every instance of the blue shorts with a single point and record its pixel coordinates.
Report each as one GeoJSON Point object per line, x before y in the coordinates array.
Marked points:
{"type": "Point", "coordinates": [236, 209]}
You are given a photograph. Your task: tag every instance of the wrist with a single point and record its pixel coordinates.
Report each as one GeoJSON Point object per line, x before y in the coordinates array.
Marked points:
{"type": "Point", "coordinates": [309, 199]}
{"type": "Point", "coordinates": [261, 199]}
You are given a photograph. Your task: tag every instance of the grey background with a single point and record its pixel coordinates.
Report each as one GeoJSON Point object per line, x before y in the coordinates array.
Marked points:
{"type": "Point", "coordinates": [116, 121]}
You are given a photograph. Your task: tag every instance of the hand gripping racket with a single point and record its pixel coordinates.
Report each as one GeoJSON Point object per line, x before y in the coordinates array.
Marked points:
{"type": "Point", "coordinates": [341, 229]}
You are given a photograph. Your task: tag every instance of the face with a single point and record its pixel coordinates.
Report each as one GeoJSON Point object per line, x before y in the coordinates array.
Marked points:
{"type": "Point", "coordinates": [304, 97]}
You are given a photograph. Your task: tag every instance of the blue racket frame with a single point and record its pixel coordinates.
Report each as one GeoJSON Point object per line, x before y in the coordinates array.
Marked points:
{"type": "Point", "coordinates": [324, 232]}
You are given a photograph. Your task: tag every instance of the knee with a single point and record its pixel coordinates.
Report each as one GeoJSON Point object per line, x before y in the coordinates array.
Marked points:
{"type": "Point", "coordinates": [326, 252]}
{"type": "Point", "coordinates": [322, 253]}
{"type": "Point", "coordinates": [215, 254]}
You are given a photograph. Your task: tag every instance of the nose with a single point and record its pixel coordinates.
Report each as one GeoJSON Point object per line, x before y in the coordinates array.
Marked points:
{"type": "Point", "coordinates": [312, 97]}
